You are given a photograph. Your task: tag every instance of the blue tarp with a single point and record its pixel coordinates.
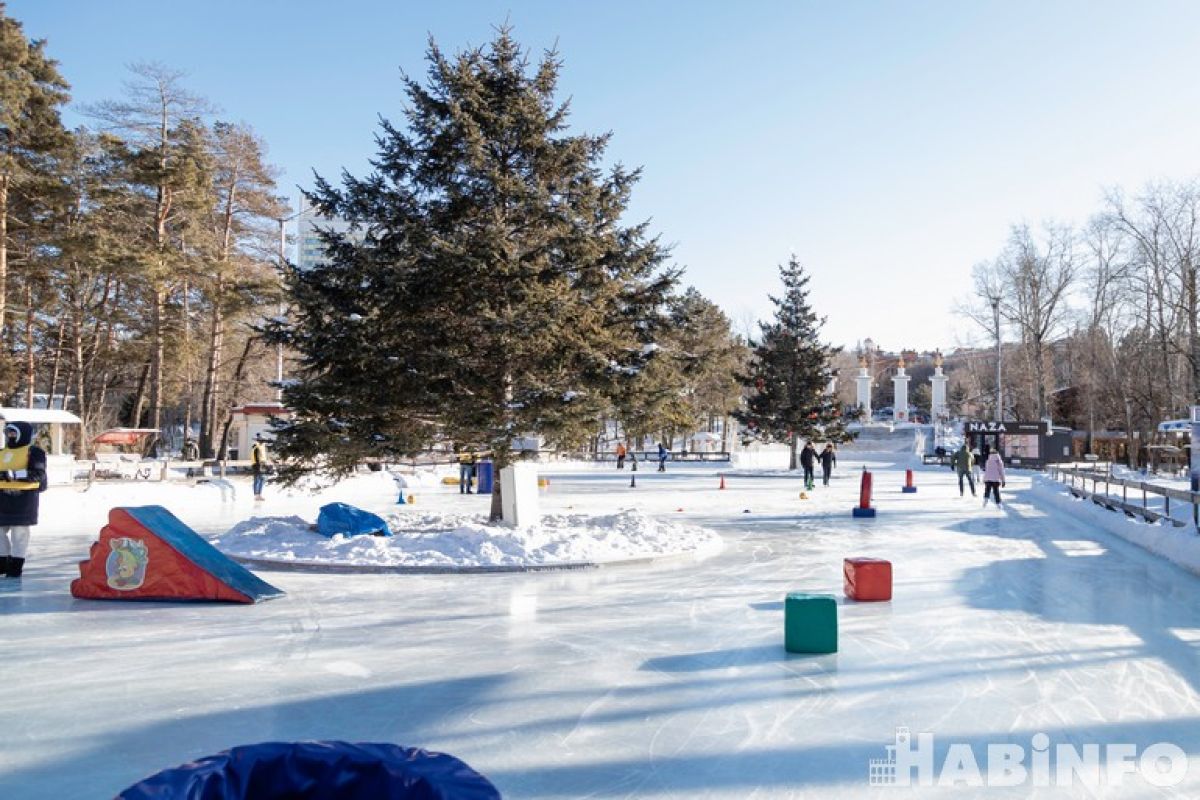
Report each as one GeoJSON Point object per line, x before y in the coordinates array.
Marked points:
{"type": "Point", "coordinates": [347, 520]}
{"type": "Point", "coordinates": [335, 770]}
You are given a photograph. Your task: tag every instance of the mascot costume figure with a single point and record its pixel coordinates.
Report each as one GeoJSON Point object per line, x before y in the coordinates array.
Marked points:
{"type": "Point", "coordinates": [22, 479]}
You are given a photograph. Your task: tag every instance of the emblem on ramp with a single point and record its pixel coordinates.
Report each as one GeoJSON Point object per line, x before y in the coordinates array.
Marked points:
{"type": "Point", "coordinates": [126, 564]}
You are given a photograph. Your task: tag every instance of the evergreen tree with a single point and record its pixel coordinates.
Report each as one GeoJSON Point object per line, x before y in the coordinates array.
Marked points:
{"type": "Point", "coordinates": [170, 167]}
{"type": "Point", "coordinates": [488, 289]}
{"type": "Point", "coordinates": [790, 373]}
{"type": "Point", "coordinates": [236, 276]}
{"type": "Point", "coordinates": [31, 137]}
{"type": "Point", "coordinates": [703, 335]}
{"type": "Point", "coordinates": [691, 378]}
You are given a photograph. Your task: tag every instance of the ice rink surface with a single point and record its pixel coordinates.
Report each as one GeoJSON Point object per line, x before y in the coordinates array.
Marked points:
{"type": "Point", "coordinates": [660, 681]}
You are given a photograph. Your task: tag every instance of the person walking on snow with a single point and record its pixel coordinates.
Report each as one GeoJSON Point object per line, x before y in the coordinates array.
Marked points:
{"type": "Point", "coordinates": [21, 462]}
{"type": "Point", "coordinates": [828, 461]}
{"type": "Point", "coordinates": [808, 459]}
{"type": "Point", "coordinates": [993, 477]}
{"type": "Point", "coordinates": [961, 462]}
{"type": "Point", "coordinates": [662, 457]}
{"type": "Point", "coordinates": [621, 451]}
{"type": "Point", "coordinates": [260, 465]}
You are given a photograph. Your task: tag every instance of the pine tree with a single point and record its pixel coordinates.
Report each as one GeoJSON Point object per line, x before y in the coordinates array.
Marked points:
{"type": "Point", "coordinates": [236, 278]}
{"type": "Point", "coordinates": [488, 290]}
{"type": "Point", "coordinates": [31, 135]}
{"type": "Point", "coordinates": [159, 122]}
{"type": "Point", "coordinates": [790, 372]}
{"type": "Point", "coordinates": [703, 335]}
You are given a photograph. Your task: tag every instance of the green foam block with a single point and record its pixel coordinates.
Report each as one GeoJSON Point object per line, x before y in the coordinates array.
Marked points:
{"type": "Point", "coordinates": [810, 623]}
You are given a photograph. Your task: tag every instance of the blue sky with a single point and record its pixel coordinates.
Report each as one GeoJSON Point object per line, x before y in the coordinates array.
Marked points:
{"type": "Point", "coordinates": [890, 145]}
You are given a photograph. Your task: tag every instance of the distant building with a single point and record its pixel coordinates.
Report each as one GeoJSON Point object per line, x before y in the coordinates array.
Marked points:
{"type": "Point", "coordinates": [310, 251]}
{"type": "Point", "coordinates": [250, 420]}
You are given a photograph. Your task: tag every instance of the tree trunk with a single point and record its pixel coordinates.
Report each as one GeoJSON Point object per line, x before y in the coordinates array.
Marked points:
{"type": "Point", "coordinates": [793, 461]}
{"type": "Point", "coordinates": [4, 179]}
{"type": "Point", "coordinates": [30, 361]}
{"type": "Point", "coordinates": [189, 384]}
{"type": "Point", "coordinates": [157, 351]}
{"type": "Point", "coordinates": [235, 386]}
{"type": "Point", "coordinates": [139, 398]}
{"type": "Point", "coordinates": [208, 403]}
{"type": "Point", "coordinates": [77, 357]}
{"type": "Point", "coordinates": [1193, 308]}
{"type": "Point", "coordinates": [56, 369]}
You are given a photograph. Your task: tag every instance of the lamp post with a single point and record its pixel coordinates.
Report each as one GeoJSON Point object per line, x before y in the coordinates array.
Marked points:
{"type": "Point", "coordinates": [282, 310]}
{"type": "Point", "coordinates": [999, 389]}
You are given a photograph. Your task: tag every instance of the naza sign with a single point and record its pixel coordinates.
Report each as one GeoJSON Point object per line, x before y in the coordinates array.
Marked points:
{"type": "Point", "coordinates": [1023, 428]}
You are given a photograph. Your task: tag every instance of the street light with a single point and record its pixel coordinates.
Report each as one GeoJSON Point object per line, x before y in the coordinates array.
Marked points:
{"type": "Point", "coordinates": [282, 310]}
{"type": "Point", "coordinates": [999, 390]}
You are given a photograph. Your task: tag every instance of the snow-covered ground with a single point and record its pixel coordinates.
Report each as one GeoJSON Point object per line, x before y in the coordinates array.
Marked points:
{"type": "Point", "coordinates": [440, 540]}
{"type": "Point", "coordinates": [665, 680]}
{"type": "Point", "coordinates": [1180, 545]}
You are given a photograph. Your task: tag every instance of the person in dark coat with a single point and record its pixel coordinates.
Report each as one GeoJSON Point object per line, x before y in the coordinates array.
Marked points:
{"type": "Point", "coordinates": [828, 460]}
{"type": "Point", "coordinates": [961, 462]}
{"type": "Point", "coordinates": [808, 460]}
{"type": "Point", "coordinates": [662, 457]}
{"type": "Point", "coordinates": [22, 480]}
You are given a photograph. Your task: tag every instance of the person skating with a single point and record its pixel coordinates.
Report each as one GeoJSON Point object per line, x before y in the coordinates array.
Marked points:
{"type": "Point", "coordinates": [621, 451]}
{"type": "Point", "coordinates": [260, 465]}
{"type": "Point", "coordinates": [21, 462]}
{"type": "Point", "coordinates": [828, 461]}
{"type": "Point", "coordinates": [662, 457]}
{"type": "Point", "coordinates": [808, 460]}
{"type": "Point", "coordinates": [993, 477]}
{"type": "Point", "coordinates": [961, 462]}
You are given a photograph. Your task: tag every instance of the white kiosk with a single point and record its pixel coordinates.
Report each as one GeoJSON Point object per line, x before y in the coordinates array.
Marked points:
{"type": "Point", "coordinates": [60, 466]}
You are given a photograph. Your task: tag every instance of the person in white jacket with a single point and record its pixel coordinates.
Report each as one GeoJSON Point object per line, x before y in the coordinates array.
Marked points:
{"type": "Point", "coordinates": [993, 477]}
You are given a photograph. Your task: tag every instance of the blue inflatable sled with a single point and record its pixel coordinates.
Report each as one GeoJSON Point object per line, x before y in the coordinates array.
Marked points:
{"type": "Point", "coordinates": [335, 770]}
{"type": "Point", "coordinates": [347, 520]}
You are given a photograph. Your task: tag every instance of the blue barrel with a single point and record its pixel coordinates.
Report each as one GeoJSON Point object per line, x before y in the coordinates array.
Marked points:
{"type": "Point", "coordinates": [337, 770]}
{"type": "Point", "coordinates": [483, 477]}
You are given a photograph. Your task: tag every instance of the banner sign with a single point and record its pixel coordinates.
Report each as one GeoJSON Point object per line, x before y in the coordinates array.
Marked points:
{"type": "Point", "coordinates": [1023, 428]}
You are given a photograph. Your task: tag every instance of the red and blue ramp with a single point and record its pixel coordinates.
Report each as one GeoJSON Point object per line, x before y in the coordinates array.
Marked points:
{"type": "Point", "coordinates": [146, 553]}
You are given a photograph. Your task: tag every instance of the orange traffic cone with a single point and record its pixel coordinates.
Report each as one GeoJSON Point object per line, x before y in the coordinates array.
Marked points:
{"type": "Point", "coordinates": [722, 486]}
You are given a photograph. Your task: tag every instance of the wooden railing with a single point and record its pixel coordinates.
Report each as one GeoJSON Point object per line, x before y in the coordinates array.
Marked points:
{"type": "Point", "coordinates": [1114, 494]}
{"type": "Point", "coordinates": [651, 456]}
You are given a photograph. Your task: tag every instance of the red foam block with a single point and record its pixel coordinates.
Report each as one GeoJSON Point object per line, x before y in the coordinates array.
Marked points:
{"type": "Point", "coordinates": [867, 579]}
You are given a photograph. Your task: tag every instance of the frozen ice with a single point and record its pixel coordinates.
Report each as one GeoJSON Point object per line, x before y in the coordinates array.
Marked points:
{"type": "Point", "coordinates": [661, 680]}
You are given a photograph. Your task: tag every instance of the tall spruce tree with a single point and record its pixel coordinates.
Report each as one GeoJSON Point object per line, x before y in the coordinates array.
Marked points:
{"type": "Point", "coordinates": [487, 289]}
{"type": "Point", "coordinates": [790, 371]}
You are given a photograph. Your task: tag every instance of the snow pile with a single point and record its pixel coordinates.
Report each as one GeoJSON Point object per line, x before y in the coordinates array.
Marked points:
{"type": "Point", "coordinates": [421, 477]}
{"type": "Point", "coordinates": [423, 539]}
{"type": "Point", "coordinates": [1178, 545]}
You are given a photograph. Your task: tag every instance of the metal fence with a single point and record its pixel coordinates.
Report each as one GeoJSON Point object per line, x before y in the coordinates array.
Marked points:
{"type": "Point", "coordinates": [1114, 494]}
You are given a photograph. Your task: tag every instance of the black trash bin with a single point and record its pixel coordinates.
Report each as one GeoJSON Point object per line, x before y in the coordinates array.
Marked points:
{"type": "Point", "coordinates": [334, 770]}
